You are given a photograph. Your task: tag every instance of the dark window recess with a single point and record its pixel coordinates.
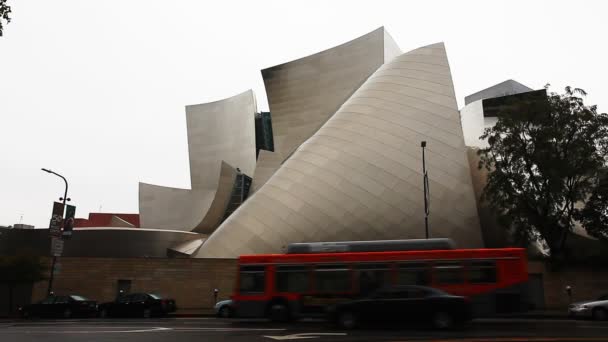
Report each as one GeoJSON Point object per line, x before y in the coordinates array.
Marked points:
{"type": "Point", "coordinates": [123, 287]}
{"type": "Point", "coordinates": [448, 273]}
{"type": "Point", "coordinates": [293, 279]}
{"type": "Point", "coordinates": [332, 279]}
{"type": "Point", "coordinates": [494, 107]}
{"type": "Point", "coordinates": [482, 272]}
{"type": "Point", "coordinates": [264, 139]}
{"type": "Point", "coordinates": [413, 274]}
{"type": "Point", "coordinates": [252, 279]}
{"type": "Point", "coordinates": [240, 191]}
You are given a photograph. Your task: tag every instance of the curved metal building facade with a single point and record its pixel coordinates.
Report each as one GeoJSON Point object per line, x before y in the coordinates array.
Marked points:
{"type": "Point", "coordinates": [359, 175]}
{"type": "Point", "coordinates": [221, 138]}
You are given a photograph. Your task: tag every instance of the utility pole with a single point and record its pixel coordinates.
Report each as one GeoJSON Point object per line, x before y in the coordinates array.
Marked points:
{"type": "Point", "coordinates": [425, 184]}
{"type": "Point", "coordinates": [63, 199]}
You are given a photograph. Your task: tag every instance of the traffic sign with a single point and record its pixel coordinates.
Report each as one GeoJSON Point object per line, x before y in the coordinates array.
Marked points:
{"type": "Point", "coordinates": [56, 246]}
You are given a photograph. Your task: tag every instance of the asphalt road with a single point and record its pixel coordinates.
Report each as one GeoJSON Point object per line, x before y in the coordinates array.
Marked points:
{"type": "Point", "coordinates": [212, 329]}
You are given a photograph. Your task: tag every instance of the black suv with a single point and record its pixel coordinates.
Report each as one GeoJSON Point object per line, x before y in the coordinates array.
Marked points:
{"type": "Point", "coordinates": [137, 305]}
{"type": "Point", "coordinates": [404, 304]}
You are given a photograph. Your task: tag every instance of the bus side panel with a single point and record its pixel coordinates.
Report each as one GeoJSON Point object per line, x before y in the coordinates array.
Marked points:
{"type": "Point", "coordinates": [251, 308]}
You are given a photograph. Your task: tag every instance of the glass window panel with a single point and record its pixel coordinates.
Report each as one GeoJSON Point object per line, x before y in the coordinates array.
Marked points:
{"type": "Point", "coordinates": [293, 279]}
{"type": "Point", "coordinates": [48, 300]}
{"type": "Point", "coordinates": [448, 273]}
{"type": "Point", "coordinates": [61, 300]}
{"type": "Point", "coordinates": [332, 279]}
{"type": "Point", "coordinates": [413, 274]}
{"type": "Point", "coordinates": [482, 272]}
{"type": "Point", "coordinates": [252, 279]}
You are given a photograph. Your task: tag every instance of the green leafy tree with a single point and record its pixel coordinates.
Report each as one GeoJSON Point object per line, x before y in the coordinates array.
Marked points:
{"type": "Point", "coordinates": [594, 215]}
{"type": "Point", "coordinates": [21, 269]}
{"type": "Point", "coordinates": [5, 11]}
{"type": "Point", "coordinates": [545, 159]}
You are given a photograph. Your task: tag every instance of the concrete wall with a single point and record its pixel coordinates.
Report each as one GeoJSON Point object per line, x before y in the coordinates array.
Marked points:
{"type": "Point", "coordinates": [189, 281]}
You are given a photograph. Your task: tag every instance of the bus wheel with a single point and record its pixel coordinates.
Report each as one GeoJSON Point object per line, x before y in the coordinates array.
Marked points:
{"type": "Point", "coordinates": [347, 320]}
{"type": "Point", "coordinates": [278, 312]}
{"type": "Point", "coordinates": [443, 320]}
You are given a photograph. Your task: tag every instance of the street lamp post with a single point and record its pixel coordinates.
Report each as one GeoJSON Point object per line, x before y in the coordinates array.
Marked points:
{"type": "Point", "coordinates": [63, 199]}
{"type": "Point", "coordinates": [425, 184]}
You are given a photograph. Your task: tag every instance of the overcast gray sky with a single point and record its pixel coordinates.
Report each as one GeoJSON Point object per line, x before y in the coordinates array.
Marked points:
{"type": "Point", "coordinates": [96, 90]}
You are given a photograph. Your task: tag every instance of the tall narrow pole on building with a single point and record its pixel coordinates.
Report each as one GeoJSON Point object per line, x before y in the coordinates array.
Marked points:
{"type": "Point", "coordinates": [425, 184]}
{"type": "Point", "coordinates": [64, 199]}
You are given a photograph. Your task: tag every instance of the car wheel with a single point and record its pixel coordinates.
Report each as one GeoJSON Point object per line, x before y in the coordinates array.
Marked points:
{"type": "Point", "coordinates": [147, 313]}
{"type": "Point", "coordinates": [224, 312]}
{"type": "Point", "coordinates": [25, 314]}
{"type": "Point", "coordinates": [443, 320]}
{"type": "Point", "coordinates": [347, 320]}
{"type": "Point", "coordinates": [67, 313]}
{"type": "Point", "coordinates": [103, 313]}
{"type": "Point", "coordinates": [278, 312]}
{"type": "Point", "coordinates": [600, 314]}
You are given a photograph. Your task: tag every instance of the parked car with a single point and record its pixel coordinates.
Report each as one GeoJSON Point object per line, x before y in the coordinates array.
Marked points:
{"type": "Point", "coordinates": [596, 309]}
{"type": "Point", "coordinates": [60, 306]}
{"type": "Point", "coordinates": [406, 304]}
{"type": "Point", "coordinates": [224, 309]}
{"type": "Point", "coordinates": [137, 305]}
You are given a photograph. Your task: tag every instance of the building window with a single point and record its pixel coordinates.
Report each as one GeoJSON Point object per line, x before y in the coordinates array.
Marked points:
{"type": "Point", "coordinates": [413, 274]}
{"type": "Point", "coordinates": [295, 279]}
{"type": "Point", "coordinates": [482, 272]}
{"type": "Point", "coordinates": [333, 279]}
{"type": "Point", "coordinates": [252, 279]}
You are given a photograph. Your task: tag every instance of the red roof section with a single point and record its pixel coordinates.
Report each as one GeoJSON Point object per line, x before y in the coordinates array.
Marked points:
{"type": "Point", "coordinates": [104, 219]}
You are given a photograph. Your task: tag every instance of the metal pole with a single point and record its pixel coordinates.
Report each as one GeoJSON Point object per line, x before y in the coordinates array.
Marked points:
{"type": "Point", "coordinates": [65, 197]}
{"type": "Point", "coordinates": [425, 186]}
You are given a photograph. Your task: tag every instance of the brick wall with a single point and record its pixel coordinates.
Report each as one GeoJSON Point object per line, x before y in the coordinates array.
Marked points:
{"type": "Point", "coordinates": [189, 281]}
{"type": "Point", "coordinates": [586, 282]}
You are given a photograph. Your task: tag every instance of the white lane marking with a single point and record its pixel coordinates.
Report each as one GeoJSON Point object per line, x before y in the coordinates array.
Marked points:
{"type": "Point", "coordinates": [156, 329]}
{"type": "Point", "coordinates": [303, 336]}
{"type": "Point", "coordinates": [228, 329]}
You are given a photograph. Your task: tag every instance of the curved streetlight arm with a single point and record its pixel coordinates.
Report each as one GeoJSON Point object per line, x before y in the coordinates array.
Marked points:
{"type": "Point", "coordinates": [65, 195]}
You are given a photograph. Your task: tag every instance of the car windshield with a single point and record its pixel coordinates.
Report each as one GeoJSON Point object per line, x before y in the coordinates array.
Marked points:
{"type": "Point", "coordinates": [604, 297]}
{"type": "Point", "coordinates": [78, 298]}
{"type": "Point", "coordinates": [155, 296]}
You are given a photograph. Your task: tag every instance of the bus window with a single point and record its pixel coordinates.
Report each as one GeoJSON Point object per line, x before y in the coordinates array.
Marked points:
{"type": "Point", "coordinates": [372, 277]}
{"type": "Point", "coordinates": [448, 273]}
{"type": "Point", "coordinates": [293, 279]}
{"type": "Point", "coordinates": [413, 274]}
{"type": "Point", "coordinates": [482, 272]}
{"type": "Point", "coordinates": [332, 279]}
{"type": "Point", "coordinates": [252, 279]}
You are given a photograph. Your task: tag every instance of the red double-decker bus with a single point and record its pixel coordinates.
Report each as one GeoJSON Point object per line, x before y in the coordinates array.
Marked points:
{"type": "Point", "coordinates": [310, 277]}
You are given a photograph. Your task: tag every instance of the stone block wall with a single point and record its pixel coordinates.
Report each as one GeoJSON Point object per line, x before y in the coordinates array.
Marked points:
{"type": "Point", "coordinates": [587, 283]}
{"type": "Point", "coordinates": [189, 281]}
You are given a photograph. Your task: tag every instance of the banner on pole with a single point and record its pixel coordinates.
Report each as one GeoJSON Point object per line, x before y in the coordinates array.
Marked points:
{"type": "Point", "coordinates": [56, 220]}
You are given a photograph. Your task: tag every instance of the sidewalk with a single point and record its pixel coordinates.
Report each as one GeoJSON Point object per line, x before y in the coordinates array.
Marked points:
{"type": "Point", "coordinates": [536, 314]}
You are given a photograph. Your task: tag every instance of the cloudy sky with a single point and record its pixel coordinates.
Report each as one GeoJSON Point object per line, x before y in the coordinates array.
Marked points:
{"type": "Point", "coordinates": [96, 90]}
